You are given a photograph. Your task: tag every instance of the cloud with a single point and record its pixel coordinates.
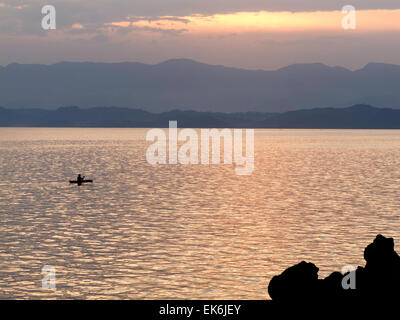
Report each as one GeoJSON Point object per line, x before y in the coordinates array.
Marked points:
{"type": "Point", "coordinates": [70, 12]}
{"type": "Point", "coordinates": [24, 16]}
{"type": "Point", "coordinates": [77, 26]}
{"type": "Point", "coordinates": [251, 33]}
{"type": "Point", "coordinates": [368, 20]}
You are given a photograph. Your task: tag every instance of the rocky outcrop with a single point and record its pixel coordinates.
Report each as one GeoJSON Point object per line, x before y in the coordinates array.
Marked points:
{"type": "Point", "coordinates": [378, 280]}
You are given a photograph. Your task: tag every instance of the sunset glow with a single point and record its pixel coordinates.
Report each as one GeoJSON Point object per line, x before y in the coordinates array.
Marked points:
{"type": "Point", "coordinates": [253, 34]}
{"type": "Point", "coordinates": [270, 21]}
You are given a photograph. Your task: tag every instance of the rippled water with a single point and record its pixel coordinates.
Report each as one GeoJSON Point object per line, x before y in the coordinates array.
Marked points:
{"type": "Point", "coordinates": [180, 232]}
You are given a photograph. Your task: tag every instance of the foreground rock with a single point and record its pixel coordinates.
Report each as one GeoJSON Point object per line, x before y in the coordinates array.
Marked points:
{"type": "Point", "coordinates": [378, 280]}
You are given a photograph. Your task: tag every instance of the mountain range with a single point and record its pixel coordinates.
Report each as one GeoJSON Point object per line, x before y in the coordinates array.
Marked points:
{"type": "Point", "coordinates": [354, 117]}
{"type": "Point", "coordinates": [189, 85]}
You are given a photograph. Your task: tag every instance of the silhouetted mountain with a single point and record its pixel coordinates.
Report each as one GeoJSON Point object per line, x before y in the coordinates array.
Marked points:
{"type": "Point", "coordinates": [379, 280]}
{"type": "Point", "coordinates": [189, 85]}
{"type": "Point", "coordinates": [355, 117]}
{"type": "Point", "coordinates": [76, 117]}
{"type": "Point", "coordinates": [124, 117]}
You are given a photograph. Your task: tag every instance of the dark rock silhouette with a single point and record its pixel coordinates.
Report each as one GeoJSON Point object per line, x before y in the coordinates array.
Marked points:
{"type": "Point", "coordinates": [297, 281]}
{"type": "Point", "coordinates": [379, 280]}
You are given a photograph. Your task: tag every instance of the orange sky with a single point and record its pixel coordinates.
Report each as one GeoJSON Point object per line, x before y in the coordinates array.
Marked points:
{"type": "Point", "coordinates": [272, 21]}
{"type": "Point", "coordinates": [243, 38]}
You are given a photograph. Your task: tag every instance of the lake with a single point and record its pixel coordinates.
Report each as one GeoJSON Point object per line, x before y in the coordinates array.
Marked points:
{"type": "Point", "coordinates": [144, 231]}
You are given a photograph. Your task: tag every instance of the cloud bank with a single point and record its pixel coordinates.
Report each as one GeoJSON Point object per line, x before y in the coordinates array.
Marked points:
{"type": "Point", "coordinates": [250, 34]}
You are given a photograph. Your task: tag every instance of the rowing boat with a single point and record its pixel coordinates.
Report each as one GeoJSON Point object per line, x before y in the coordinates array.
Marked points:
{"type": "Point", "coordinates": [83, 181]}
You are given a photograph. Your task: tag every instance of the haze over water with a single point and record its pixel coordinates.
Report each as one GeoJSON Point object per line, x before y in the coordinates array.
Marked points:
{"type": "Point", "coordinates": [187, 232]}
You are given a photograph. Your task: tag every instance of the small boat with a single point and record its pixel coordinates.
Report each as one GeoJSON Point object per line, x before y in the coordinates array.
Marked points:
{"type": "Point", "coordinates": [83, 181]}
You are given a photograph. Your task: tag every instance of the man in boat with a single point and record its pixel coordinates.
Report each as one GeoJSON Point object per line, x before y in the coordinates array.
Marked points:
{"type": "Point", "coordinates": [80, 178]}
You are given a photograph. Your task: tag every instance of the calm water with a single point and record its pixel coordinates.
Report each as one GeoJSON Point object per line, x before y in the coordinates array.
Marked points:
{"type": "Point", "coordinates": [179, 232]}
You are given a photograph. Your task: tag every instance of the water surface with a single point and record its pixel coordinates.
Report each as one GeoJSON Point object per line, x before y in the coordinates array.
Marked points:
{"type": "Point", "coordinates": [187, 232]}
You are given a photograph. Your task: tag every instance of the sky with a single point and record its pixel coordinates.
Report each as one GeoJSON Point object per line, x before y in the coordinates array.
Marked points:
{"type": "Point", "coordinates": [251, 34]}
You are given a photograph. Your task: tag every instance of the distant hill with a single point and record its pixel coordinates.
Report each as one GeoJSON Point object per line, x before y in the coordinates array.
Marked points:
{"type": "Point", "coordinates": [355, 117]}
{"type": "Point", "coordinates": [125, 117]}
{"type": "Point", "coordinates": [189, 85]}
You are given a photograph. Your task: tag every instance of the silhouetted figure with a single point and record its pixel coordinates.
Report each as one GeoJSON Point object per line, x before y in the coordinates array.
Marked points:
{"type": "Point", "coordinates": [379, 280]}
{"type": "Point", "coordinates": [80, 179]}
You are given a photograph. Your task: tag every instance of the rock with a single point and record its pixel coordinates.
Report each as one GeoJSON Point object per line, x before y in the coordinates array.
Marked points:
{"type": "Point", "coordinates": [331, 286]}
{"type": "Point", "coordinates": [296, 282]}
{"type": "Point", "coordinates": [381, 278]}
{"type": "Point", "coordinates": [378, 280]}
{"type": "Point", "coordinates": [380, 255]}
